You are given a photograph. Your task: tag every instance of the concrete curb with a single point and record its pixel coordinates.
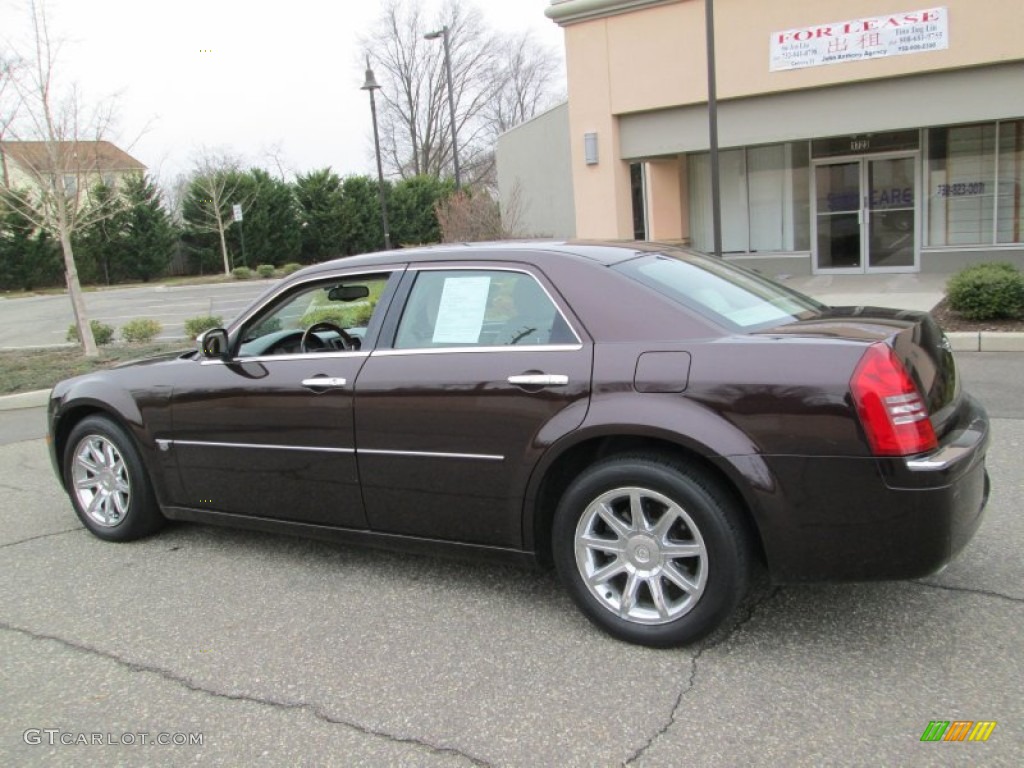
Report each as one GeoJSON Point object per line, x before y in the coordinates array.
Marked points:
{"type": "Point", "coordinates": [986, 341]}
{"type": "Point", "coordinates": [24, 400]}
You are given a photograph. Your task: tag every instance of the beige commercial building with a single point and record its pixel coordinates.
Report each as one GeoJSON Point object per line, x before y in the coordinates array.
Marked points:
{"type": "Point", "coordinates": [854, 137]}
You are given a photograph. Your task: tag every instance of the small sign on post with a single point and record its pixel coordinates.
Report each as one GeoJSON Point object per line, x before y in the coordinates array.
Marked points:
{"type": "Point", "coordinates": [236, 210]}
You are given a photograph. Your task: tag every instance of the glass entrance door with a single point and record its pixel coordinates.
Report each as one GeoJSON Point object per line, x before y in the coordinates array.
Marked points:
{"type": "Point", "coordinates": [838, 216]}
{"type": "Point", "coordinates": [866, 215]}
{"type": "Point", "coordinates": [890, 216]}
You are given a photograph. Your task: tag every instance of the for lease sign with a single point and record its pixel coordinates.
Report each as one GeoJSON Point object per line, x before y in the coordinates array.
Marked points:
{"type": "Point", "coordinates": [859, 39]}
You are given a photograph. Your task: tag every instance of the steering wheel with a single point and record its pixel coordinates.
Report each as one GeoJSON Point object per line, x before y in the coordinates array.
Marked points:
{"type": "Point", "coordinates": [347, 342]}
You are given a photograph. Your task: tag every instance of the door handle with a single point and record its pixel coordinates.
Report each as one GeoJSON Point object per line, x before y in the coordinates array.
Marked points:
{"type": "Point", "coordinates": [323, 382]}
{"type": "Point", "coordinates": [539, 380]}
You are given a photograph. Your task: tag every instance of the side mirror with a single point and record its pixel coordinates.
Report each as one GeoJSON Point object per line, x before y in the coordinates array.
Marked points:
{"type": "Point", "coordinates": [213, 344]}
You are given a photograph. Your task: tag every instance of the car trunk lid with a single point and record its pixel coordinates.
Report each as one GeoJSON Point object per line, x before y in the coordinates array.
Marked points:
{"type": "Point", "coordinates": [916, 340]}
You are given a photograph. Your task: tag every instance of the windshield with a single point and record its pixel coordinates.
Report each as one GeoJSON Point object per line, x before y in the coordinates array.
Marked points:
{"type": "Point", "coordinates": [733, 297]}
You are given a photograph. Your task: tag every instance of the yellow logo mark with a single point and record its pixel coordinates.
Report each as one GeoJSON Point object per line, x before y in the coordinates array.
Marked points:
{"type": "Point", "coordinates": [982, 730]}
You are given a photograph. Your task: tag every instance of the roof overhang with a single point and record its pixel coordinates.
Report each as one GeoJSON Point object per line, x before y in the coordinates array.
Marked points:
{"type": "Point", "coordinates": [914, 101]}
{"type": "Point", "coordinates": [565, 12]}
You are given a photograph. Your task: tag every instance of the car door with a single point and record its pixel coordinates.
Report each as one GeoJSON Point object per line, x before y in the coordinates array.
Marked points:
{"type": "Point", "coordinates": [484, 370]}
{"type": "Point", "coordinates": [268, 432]}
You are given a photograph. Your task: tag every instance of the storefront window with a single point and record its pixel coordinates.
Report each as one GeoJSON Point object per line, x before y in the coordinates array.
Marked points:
{"type": "Point", "coordinates": [777, 180]}
{"type": "Point", "coordinates": [765, 199]}
{"type": "Point", "coordinates": [961, 178]}
{"type": "Point", "coordinates": [732, 183]}
{"type": "Point", "coordinates": [1009, 207]}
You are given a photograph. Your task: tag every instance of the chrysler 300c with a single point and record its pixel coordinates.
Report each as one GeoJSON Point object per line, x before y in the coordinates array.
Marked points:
{"type": "Point", "coordinates": [655, 424]}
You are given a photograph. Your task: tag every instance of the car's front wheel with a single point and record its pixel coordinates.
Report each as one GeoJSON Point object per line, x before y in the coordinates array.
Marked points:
{"type": "Point", "coordinates": [652, 551]}
{"type": "Point", "coordinates": [107, 482]}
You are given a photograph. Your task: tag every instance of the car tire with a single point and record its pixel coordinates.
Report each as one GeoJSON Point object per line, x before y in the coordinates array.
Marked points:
{"type": "Point", "coordinates": [664, 577]}
{"type": "Point", "coordinates": [107, 482]}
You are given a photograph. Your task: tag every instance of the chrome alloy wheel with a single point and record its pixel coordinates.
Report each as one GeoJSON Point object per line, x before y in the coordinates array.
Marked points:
{"type": "Point", "coordinates": [100, 479]}
{"type": "Point", "coordinates": [641, 555]}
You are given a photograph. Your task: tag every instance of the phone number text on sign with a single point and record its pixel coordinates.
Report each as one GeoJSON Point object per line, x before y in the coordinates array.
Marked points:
{"type": "Point", "coordinates": [961, 189]}
{"type": "Point", "coordinates": [859, 39]}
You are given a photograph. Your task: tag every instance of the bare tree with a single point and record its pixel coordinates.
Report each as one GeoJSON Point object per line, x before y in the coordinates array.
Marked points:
{"type": "Point", "coordinates": [475, 215]}
{"type": "Point", "coordinates": [414, 116]}
{"type": "Point", "coordinates": [60, 159]}
{"type": "Point", "coordinates": [498, 81]}
{"type": "Point", "coordinates": [274, 156]}
{"type": "Point", "coordinates": [175, 193]}
{"type": "Point", "coordinates": [215, 186]}
{"type": "Point", "coordinates": [525, 84]}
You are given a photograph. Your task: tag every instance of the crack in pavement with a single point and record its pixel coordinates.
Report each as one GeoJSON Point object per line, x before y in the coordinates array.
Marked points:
{"type": "Point", "coordinates": [746, 620]}
{"type": "Point", "coordinates": [968, 590]}
{"type": "Point", "coordinates": [313, 709]}
{"type": "Point", "coordinates": [15, 488]}
{"type": "Point", "coordinates": [675, 709]}
{"type": "Point", "coordinates": [41, 536]}
{"type": "Point", "coordinates": [693, 674]}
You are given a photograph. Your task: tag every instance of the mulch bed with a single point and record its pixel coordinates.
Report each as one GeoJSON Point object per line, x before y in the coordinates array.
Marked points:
{"type": "Point", "coordinates": [951, 321]}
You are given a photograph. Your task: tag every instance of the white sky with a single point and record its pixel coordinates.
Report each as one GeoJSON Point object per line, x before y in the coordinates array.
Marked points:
{"type": "Point", "coordinates": [284, 73]}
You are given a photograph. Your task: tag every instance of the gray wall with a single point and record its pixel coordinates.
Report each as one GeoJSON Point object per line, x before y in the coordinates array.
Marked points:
{"type": "Point", "coordinates": [955, 259]}
{"type": "Point", "coordinates": [535, 175]}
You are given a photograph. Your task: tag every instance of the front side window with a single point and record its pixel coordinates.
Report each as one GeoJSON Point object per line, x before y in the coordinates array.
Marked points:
{"type": "Point", "coordinates": [479, 308]}
{"type": "Point", "coordinates": [324, 316]}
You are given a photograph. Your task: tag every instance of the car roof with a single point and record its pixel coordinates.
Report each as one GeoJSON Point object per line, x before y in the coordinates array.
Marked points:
{"type": "Point", "coordinates": [605, 253]}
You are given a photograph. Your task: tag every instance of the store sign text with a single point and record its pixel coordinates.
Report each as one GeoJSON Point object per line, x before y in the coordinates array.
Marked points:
{"type": "Point", "coordinates": [962, 189]}
{"type": "Point", "coordinates": [880, 199]}
{"type": "Point", "coordinates": [860, 39]}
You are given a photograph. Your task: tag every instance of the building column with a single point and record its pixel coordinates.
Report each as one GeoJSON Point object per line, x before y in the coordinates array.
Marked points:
{"type": "Point", "coordinates": [602, 190]}
{"type": "Point", "coordinates": [665, 200]}
{"type": "Point", "coordinates": [601, 184]}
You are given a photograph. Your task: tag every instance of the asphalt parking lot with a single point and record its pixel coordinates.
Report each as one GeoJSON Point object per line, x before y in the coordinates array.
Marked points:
{"type": "Point", "coordinates": [40, 321]}
{"type": "Point", "coordinates": [279, 651]}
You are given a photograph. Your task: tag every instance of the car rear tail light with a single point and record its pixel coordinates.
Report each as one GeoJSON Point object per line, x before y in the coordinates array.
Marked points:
{"type": "Point", "coordinates": [891, 409]}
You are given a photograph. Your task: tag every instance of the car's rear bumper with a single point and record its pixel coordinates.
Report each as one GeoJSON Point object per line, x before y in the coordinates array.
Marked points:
{"type": "Point", "coordinates": [834, 519]}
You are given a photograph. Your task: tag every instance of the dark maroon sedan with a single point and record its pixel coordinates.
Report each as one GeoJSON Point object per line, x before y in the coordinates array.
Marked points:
{"type": "Point", "coordinates": [653, 422]}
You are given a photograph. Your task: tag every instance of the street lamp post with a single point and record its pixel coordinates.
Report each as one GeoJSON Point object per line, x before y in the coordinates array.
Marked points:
{"type": "Point", "coordinates": [716, 196]}
{"type": "Point", "coordinates": [372, 85]}
{"type": "Point", "coordinates": [443, 33]}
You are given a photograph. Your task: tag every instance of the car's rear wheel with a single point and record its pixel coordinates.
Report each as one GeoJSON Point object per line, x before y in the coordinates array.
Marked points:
{"type": "Point", "coordinates": [652, 551]}
{"type": "Point", "coordinates": [107, 482]}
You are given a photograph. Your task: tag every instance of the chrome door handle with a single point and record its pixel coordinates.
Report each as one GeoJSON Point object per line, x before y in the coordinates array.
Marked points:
{"type": "Point", "coordinates": [539, 380]}
{"type": "Point", "coordinates": [323, 382]}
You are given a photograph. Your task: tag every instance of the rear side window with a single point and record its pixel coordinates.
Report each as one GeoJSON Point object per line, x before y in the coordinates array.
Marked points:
{"type": "Point", "coordinates": [733, 297]}
{"type": "Point", "coordinates": [479, 308]}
